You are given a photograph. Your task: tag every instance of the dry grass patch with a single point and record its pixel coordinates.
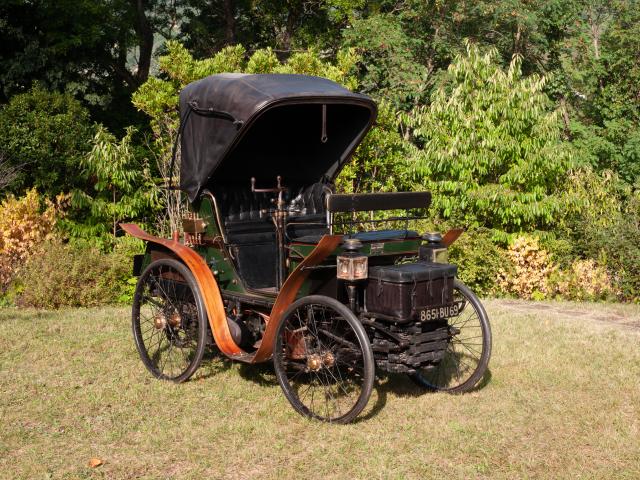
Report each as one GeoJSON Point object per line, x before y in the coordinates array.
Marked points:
{"type": "Point", "coordinates": [562, 400]}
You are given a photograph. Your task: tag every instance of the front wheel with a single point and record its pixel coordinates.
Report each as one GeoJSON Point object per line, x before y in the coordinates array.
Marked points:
{"type": "Point", "coordinates": [323, 360]}
{"type": "Point", "coordinates": [466, 358]}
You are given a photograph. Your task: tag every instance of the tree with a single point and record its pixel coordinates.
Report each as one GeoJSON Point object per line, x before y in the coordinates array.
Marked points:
{"type": "Point", "coordinates": [123, 188]}
{"type": "Point", "coordinates": [490, 146]}
{"type": "Point", "coordinates": [602, 66]}
{"type": "Point", "coordinates": [100, 51]}
{"type": "Point", "coordinates": [44, 136]}
{"type": "Point", "coordinates": [283, 25]}
{"type": "Point", "coordinates": [389, 66]}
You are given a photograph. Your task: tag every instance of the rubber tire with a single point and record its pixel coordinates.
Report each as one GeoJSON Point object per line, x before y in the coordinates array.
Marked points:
{"type": "Point", "coordinates": [365, 345]}
{"type": "Point", "coordinates": [477, 375]}
{"type": "Point", "coordinates": [202, 320]}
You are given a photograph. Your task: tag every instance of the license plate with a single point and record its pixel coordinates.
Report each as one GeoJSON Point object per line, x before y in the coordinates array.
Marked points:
{"type": "Point", "coordinates": [436, 313]}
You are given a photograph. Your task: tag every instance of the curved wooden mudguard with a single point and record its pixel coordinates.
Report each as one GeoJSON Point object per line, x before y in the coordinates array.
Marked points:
{"type": "Point", "coordinates": [206, 282]}
{"type": "Point", "coordinates": [451, 236]}
{"type": "Point", "coordinates": [213, 299]}
{"type": "Point", "coordinates": [288, 292]}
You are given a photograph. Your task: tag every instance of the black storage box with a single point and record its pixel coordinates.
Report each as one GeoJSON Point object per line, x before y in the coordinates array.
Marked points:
{"type": "Point", "coordinates": [399, 292]}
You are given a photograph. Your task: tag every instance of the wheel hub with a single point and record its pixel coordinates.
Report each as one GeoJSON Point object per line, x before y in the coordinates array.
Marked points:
{"type": "Point", "coordinates": [328, 360]}
{"type": "Point", "coordinates": [316, 362]}
{"type": "Point", "coordinates": [160, 321]}
{"type": "Point", "coordinates": [175, 319]}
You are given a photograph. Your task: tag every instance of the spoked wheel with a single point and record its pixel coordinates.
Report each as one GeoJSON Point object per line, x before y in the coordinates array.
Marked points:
{"type": "Point", "coordinates": [468, 350]}
{"type": "Point", "coordinates": [169, 320]}
{"type": "Point", "coordinates": [323, 360]}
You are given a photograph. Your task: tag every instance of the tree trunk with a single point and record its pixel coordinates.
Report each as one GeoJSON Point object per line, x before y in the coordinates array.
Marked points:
{"type": "Point", "coordinates": [290, 27]}
{"type": "Point", "coordinates": [229, 22]}
{"type": "Point", "coordinates": [145, 41]}
{"type": "Point", "coordinates": [517, 40]}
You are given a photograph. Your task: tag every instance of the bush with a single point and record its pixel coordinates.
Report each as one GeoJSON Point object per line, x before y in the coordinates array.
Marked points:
{"type": "Point", "coordinates": [75, 275]}
{"type": "Point", "coordinates": [585, 280]}
{"type": "Point", "coordinates": [479, 261]}
{"type": "Point", "coordinates": [603, 223]}
{"type": "Point", "coordinates": [45, 135]}
{"type": "Point", "coordinates": [531, 270]}
{"type": "Point", "coordinates": [25, 223]}
{"type": "Point", "coordinates": [490, 146]}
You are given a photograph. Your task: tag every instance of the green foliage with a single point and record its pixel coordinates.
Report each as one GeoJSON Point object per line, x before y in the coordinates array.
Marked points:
{"type": "Point", "coordinates": [98, 50]}
{"type": "Point", "coordinates": [490, 146]}
{"type": "Point", "coordinates": [479, 261]}
{"type": "Point", "coordinates": [601, 67]}
{"type": "Point", "coordinates": [378, 164]}
{"type": "Point", "coordinates": [122, 188]}
{"type": "Point", "coordinates": [75, 275]}
{"type": "Point", "coordinates": [602, 222]}
{"type": "Point", "coordinates": [44, 135]}
{"type": "Point", "coordinates": [389, 68]}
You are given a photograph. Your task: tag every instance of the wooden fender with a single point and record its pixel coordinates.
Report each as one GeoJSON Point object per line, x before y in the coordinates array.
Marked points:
{"type": "Point", "coordinates": [206, 283]}
{"type": "Point", "coordinates": [451, 236]}
{"type": "Point", "coordinates": [289, 291]}
{"type": "Point", "coordinates": [213, 299]}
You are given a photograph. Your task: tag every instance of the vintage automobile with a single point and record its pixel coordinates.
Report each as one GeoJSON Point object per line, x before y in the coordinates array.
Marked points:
{"type": "Point", "coordinates": [272, 265]}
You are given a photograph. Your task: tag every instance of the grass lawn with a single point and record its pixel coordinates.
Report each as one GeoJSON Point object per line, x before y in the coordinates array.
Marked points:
{"type": "Point", "coordinates": [562, 400]}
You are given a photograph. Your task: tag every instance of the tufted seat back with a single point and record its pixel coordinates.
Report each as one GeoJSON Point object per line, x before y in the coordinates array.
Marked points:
{"type": "Point", "coordinates": [241, 209]}
{"type": "Point", "coordinates": [309, 201]}
{"type": "Point", "coordinates": [241, 204]}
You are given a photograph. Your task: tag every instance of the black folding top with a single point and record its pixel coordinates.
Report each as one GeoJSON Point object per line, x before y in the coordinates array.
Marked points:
{"type": "Point", "coordinates": [235, 126]}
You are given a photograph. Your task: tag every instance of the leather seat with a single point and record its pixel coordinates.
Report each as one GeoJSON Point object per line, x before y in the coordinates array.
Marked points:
{"type": "Point", "coordinates": [251, 232]}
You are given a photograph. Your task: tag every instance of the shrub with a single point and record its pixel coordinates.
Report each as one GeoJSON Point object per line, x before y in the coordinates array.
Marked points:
{"type": "Point", "coordinates": [531, 270]}
{"type": "Point", "coordinates": [619, 250]}
{"type": "Point", "coordinates": [25, 223]}
{"type": "Point", "coordinates": [44, 135]}
{"type": "Point", "coordinates": [479, 261]}
{"type": "Point", "coordinates": [603, 222]}
{"type": "Point", "coordinates": [490, 146]}
{"type": "Point", "coordinates": [585, 280]}
{"type": "Point", "coordinates": [75, 275]}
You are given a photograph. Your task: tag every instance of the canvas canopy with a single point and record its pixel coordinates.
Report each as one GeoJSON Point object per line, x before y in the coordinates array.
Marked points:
{"type": "Point", "coordinates": [238, 126]}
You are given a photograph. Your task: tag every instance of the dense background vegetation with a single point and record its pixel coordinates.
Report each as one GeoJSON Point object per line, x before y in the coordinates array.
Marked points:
{"type": "Point", "coordinates": [523, 119]}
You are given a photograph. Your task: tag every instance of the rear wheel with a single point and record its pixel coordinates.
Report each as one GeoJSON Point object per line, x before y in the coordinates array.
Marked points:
{"type": "Point", "coordinates": [169, 320]}
{"type": "Point", "coordinates": [323, 360]}
{"type": "Point", "coordinates": [468, 349]}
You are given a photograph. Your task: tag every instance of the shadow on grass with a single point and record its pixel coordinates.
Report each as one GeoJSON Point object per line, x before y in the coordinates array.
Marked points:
{"type": "Point", "coordinates": [214, 362]}
{"type": "Point", "coordinates": [264, 375]}
{"type": "Point", "coordinates": [261, 373]}
{"type": "Point", "coordinates": [380, 393]}
{"type": "Point", "coordinates": [402, 386]}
